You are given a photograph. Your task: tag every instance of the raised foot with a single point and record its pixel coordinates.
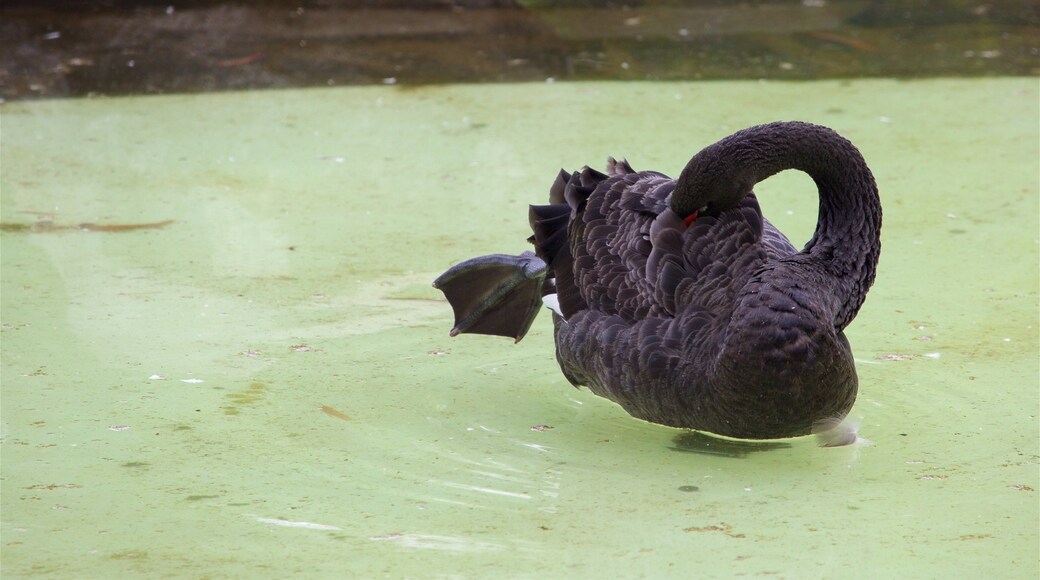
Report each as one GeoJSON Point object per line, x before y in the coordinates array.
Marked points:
{"type": "Point", "coordinates": [497, 294]}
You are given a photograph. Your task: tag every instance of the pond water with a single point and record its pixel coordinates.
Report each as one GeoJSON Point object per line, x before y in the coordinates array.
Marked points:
{"type": "Point", "coordinates": [222, 357]}
{"type": "Point", "coordinates": [238, 367]}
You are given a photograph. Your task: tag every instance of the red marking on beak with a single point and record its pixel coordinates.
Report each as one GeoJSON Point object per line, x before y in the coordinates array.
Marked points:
{"type": "Point", "coordinates": [689, 219]}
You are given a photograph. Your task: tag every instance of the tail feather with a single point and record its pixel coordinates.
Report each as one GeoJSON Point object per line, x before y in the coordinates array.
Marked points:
{"type": "Point", "coordinates": [549, 224]}
{"type": "Point", "coordinates": [615, 167]}
{"type": "Point", "coordinates": [558, 187]}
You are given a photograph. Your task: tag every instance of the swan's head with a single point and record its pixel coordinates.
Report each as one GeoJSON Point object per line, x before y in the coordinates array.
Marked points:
{"type": "Point", "coordinates": [710, 185]}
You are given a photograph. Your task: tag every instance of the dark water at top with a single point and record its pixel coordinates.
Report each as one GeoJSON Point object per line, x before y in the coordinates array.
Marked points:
{"type": "Point", "coordinates": [60, 49]}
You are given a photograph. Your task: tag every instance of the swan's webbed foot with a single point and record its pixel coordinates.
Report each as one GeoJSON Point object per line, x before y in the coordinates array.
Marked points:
{"type": "Point", "coordinates": [497, 294]}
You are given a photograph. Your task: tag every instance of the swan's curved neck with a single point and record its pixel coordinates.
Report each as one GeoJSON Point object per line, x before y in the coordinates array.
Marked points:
{"type": "Point", "coordinates": [847, 240]}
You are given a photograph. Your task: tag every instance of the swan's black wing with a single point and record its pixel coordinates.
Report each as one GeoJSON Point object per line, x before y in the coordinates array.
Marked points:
{"type": "Point", "coordinates": [775, 243]}
{"type": "Point", "coordinates": [645, 296]}
{"type": "Point", "coordinates": [627, 255]}
{"type": "Point", "coordinates": [497, 294]}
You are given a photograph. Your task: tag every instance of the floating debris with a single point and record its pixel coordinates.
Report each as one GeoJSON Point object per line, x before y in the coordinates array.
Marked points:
{"type": "Point", "coordinates": [118, 427]}
{"type": "Point", "coordinates": [722, 528]}
{"type": "Point", "coordinates": [192, 381]}
{"type": "Point", "coordinates": [541, 427]}
{"type": "Point", "coordinates": [10, 326]}
{"type": "Point", "coordinates": [53, 486]}
{"type": "Point", "coordinates": [48, 226]}
{"type": "Point", "coordinates": [242, 60]}
{"type": "Point", "coordinates": [334, 413]}
{"type": "Point", "coordinates": [850, 42]}
{"type": "Point", "coordinates": [301, 348]}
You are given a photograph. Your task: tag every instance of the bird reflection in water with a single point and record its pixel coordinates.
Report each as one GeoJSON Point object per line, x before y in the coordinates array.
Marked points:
{"type": "Point", "coordinates": [698, 442]}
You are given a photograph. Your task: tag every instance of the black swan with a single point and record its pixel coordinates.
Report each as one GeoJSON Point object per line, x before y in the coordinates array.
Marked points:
{"type": "Point", "coordinates": [679, 301]}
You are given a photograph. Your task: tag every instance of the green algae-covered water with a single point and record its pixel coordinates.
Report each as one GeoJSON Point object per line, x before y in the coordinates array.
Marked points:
{"type": "Point", "coordinates": [222, 356]}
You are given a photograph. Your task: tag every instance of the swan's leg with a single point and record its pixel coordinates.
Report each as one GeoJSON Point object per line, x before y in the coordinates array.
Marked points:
{"type": "Point", "coordinates": [496, 294]}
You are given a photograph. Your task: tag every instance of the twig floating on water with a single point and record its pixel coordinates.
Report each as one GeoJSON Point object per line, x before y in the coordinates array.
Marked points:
{"type": "Point", "coordinates": [334, 413]}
